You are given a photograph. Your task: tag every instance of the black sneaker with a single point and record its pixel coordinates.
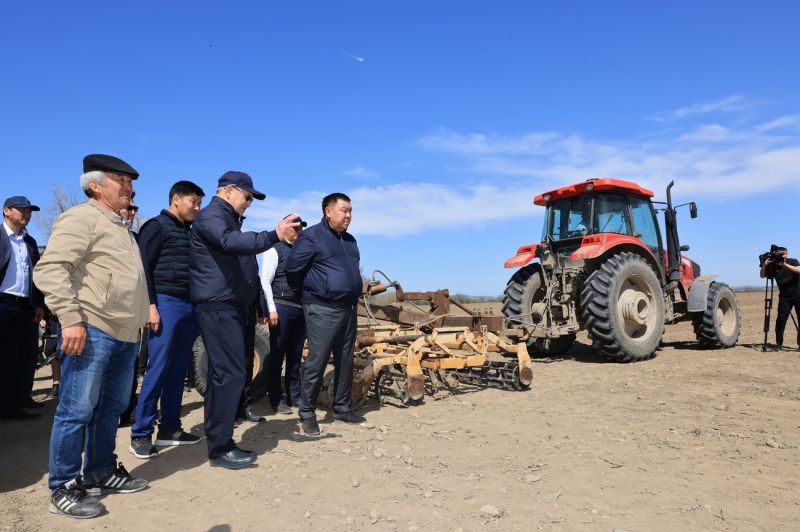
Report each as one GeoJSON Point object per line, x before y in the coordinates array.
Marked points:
{"type": "Point", "coordinates": [119, 481]}
{"type": "Point", "coordinates": [72, 500]}
{"type": "Point", "coordinates": [349, 417]}
{"type": "Point", "coordinates": [142, 448]}
{"type": "Point", "coordinates": [175, 437]}
{"type": "Point", "coordinates": [310, 426]}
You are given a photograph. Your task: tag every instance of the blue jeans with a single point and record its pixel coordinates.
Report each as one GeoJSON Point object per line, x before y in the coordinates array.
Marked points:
{"type": "Point", "coordinates": [169, 352]}
{"type": "Point", "coordinates": [95, 390]}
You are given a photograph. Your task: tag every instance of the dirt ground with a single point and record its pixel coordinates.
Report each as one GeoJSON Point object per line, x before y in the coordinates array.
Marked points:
{"type": "Point", "coordinates": [691, 440]}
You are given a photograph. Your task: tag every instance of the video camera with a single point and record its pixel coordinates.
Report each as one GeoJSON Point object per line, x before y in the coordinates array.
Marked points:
{"type": "Point", "coordinates": [775, 255]}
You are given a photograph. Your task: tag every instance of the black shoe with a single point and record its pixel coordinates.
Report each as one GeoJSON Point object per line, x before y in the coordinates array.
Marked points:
{"type": "Point", "coordinates": [118, 481]}
{"type": "Point", "coordinates": [142, 448]}
{"type": "Point", "coordinates": [175, 437]}
{"type": "Point", "coordinates": [19, 415]}
{"type": "Point", "coordinates": [350, 417]}
{"type": "Point", "coordinates": [53, 391]}
{"type": "Point", "coordinates": [234, 459]}
{"type": "Point", "coordinates": [31, 403]}
{"type": "Point", "coordinates": [72, 500]}
{"type": "Point", "coordinates": [310, 426]}
{"type": "Point", "coordinates": [248, 415]}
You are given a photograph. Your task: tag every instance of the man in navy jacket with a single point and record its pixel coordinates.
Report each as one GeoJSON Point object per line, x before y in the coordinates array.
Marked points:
{"type": "Point", "coordinates": [325, 262]}
{"type": "Point", "coordinates": [21, 308]}
{"type": "Point", "coordinates": [221, 290]}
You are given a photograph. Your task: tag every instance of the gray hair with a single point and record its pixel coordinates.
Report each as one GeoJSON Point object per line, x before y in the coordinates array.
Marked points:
{"type": "Point", "coordinates": [95, 175]}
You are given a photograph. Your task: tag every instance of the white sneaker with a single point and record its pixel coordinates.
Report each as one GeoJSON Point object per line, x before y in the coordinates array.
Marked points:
{"type": "Point", "coordinates": [283, 408]}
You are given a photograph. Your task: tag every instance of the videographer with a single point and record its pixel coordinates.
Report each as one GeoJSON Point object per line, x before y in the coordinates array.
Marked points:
{"type": "Point", "coordinates": [786, 273]}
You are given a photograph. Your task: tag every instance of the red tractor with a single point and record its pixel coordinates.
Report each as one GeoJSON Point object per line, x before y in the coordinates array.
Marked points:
{"type": "Point", "coordinates": [602, 267]}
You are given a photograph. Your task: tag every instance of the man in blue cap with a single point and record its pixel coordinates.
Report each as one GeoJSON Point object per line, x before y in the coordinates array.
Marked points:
{"type": "Point", "coordinates": [221, 292]}
{"type": "Point", "coordinates": [21, 308]}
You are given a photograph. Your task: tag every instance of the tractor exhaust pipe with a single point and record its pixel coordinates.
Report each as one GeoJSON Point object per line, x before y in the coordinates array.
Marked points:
{"type": "Point", "coordinates": [673, 242]}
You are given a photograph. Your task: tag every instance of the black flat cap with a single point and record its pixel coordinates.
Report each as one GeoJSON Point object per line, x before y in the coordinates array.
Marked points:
{"type": "Point", "coordinates": [108, 163]}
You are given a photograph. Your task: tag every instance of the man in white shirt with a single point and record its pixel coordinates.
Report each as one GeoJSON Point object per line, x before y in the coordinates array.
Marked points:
{"type": "Point", "coordinates": [21, 309]}
{"type": "Point", "coordinates": [287, 329]}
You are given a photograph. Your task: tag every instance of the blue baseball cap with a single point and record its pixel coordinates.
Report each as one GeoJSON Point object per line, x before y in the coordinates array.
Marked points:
{"type": "Point", "coordinates": [240, 180]}
{"type": "Point", "coordinates": [20, 202]}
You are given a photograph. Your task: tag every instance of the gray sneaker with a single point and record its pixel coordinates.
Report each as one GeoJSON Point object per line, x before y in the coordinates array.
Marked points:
{"type": "Point", "coordinates": [142, 448]}
{"type": "Point", "coordinates": [72, 500]}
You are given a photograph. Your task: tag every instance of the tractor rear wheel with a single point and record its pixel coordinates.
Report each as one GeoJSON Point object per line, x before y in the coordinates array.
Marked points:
{"type": "Point", "coordinates": [524, 289]}
{"type": "Point", "coordinates": [623, 308]}
{"type": "Point", "coordinates": [719, 325]}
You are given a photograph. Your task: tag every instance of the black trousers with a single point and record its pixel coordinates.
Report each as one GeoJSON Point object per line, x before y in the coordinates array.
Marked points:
{"type": "Point", "coordinates": [17, 349]}
{"type": "Point", "coordinates": [785, 306]}
{"type": "Point", "coordinates": [223, 333]}
{"type": "Point", "coordinates": [329, 330]}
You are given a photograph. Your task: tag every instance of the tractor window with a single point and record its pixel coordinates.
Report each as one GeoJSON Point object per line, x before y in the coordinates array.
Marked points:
{"type": "Point", "coordinates": [570, 218]}
{"type": "Point", "coordinates": [611, 214]}
{"type": "Point", "coordinates": [644, 223]}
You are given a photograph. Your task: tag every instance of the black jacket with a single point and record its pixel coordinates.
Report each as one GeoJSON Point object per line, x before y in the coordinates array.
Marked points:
{"type": "Point", "coordinates": [217, 278]}
{"type": "Point", "coordinates": [326, 265]}
{"type": "Point", "coordinates": [164, 247]}
{"type": "Point", "coordinates": [6, 253]}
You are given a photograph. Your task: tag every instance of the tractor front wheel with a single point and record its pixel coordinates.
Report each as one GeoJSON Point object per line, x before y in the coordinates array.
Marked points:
{"type": "Point", "coordinates": [623, 308]}
{"type": "Point", "coordinates": [719, 325]}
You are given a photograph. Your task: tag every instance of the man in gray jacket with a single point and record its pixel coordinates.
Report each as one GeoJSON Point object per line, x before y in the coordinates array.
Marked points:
{"type": "Point", "coordinates": [92, 277]}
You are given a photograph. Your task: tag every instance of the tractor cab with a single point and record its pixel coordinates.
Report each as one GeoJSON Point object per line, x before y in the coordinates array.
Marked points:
{"type": "Point", "coordinates": [600, 206]}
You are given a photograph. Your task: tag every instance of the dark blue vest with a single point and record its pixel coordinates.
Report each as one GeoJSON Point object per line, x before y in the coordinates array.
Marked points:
{"type": "Point", "coordinates": [171, 273]}
{"type": "Point", "coordinates": [281, 291]}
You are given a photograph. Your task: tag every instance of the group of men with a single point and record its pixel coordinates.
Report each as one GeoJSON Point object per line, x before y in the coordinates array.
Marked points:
{"type": "Point", "coordinates": [192, 270]}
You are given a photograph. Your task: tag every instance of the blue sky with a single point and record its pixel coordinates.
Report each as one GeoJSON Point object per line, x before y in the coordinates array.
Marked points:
{"type": "Point", "coordinates": [441, 120]}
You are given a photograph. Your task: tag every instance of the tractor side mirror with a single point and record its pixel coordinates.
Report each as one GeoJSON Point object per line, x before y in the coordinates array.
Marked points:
{"type": "Point", "coordinates": [693, 210]}
{"type": "Point", "coordinates": [685, 247]}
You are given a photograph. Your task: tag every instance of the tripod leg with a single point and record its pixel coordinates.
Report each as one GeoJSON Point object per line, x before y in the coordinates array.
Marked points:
{"type": "Point", "coordinates": [769, 290]}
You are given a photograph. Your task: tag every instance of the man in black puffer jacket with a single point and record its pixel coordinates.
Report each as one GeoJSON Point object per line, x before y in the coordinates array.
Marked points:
{"type": "Point", "coordinates": [221, 290]}
{"type": "Point", "coordinates": [325, 262]}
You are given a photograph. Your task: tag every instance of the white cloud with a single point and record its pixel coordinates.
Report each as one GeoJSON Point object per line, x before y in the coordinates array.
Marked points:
{"type": "Point", "coordinates": [788, 121]}
{"type": "Point", "coordinates": [500, 175]}
{"type": "Point", "coordinates": [411, 208]}
{"type": "Point", "coordinates": [361, 172]}
{"type": "Point", "coordinates": [729, 104]}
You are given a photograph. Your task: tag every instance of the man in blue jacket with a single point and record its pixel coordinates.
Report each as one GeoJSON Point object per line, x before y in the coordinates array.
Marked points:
{"type": "Point", "coordinates": [164, 247]}
{"type": "Point", "coordinates": [220, 288]}
{"type": "Point", "coordinates": [21, 308]}
{"type": "Point", "coordinates": [325, 262]}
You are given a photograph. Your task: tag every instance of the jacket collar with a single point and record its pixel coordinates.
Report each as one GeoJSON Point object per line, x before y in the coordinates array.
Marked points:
{"type": "Point", "coordinates": [171, 216]}
{"type": "Point", "coordinates": [325, 224]}
{"type": "Point", "coordinates": [108, 213]}
{"type": "Point", "coordinates": [224, 205]}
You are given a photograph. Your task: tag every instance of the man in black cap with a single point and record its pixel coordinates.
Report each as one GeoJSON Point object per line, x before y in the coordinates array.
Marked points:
{"type": "Point", "coordinates": [21, 309]}
{"type": "Point", "coordinates": [93, 281]}
{"type": "Point", "coordinates": [220, 289]}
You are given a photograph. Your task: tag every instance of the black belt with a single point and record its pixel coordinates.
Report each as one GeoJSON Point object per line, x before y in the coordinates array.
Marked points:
{"type": "Point", "coordinates": [15, 299]}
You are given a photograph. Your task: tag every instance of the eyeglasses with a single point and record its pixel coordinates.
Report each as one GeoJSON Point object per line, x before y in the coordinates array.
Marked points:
{"type": "Point", "coordinates": [248, 197]}
{"type": "Point", "coordinates": [132, 208]}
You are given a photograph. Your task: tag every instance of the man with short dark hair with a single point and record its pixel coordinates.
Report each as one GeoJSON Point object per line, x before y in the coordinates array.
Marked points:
{"type": "Point", "coordinates": [164, 247]}
{"type": "Point", "coordinates": [21, 309]}
{"type": "Point", "coordinates": [324, 264]}
{"type": "Point", "coordinates": [93, 281]}
{"type": "Point", "coordinates": [221, 289]}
